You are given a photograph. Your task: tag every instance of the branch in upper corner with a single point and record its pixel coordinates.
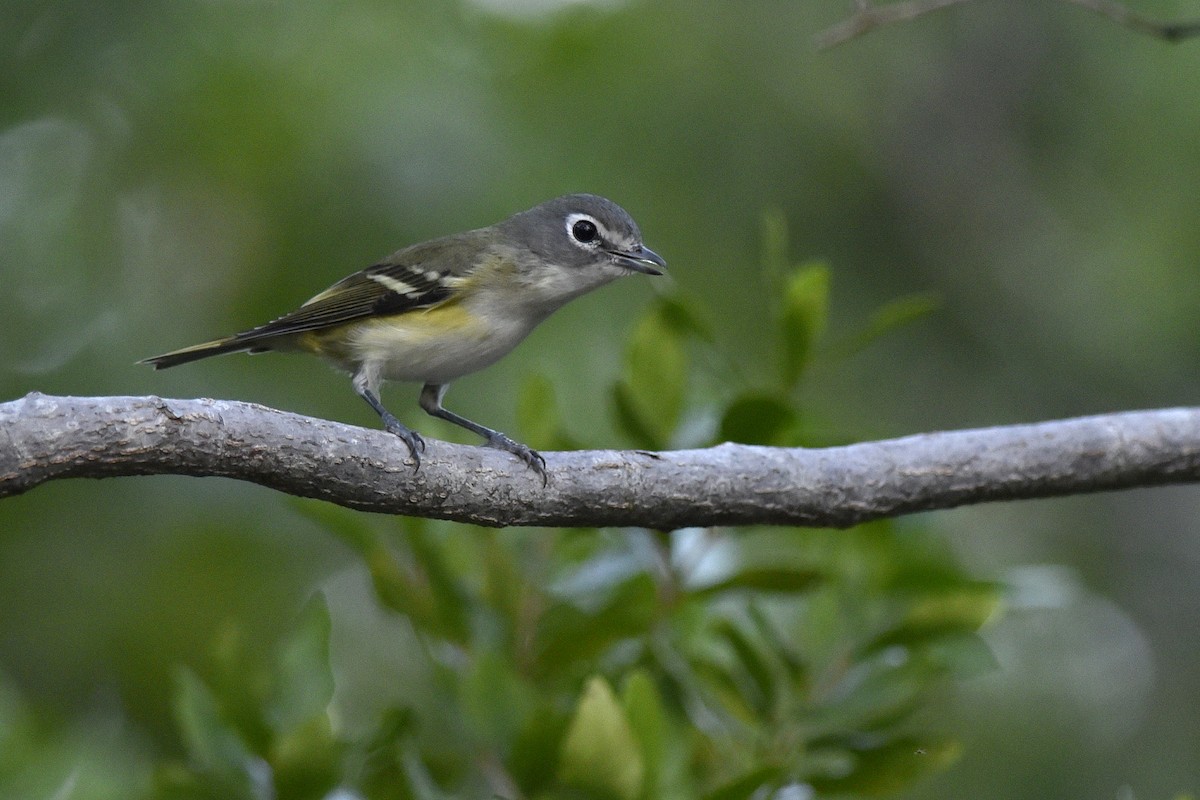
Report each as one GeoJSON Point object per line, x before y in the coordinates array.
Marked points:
{"type": "Point", "coordinates": [867, 17]}
{"type": "Point", "coordinates": [1168, 31]}
{"type": "Point", "coordinates": [45, 438]}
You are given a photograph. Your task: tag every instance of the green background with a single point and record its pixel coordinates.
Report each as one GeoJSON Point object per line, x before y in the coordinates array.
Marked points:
{"type": "Point", "coordinates": [170, 172]}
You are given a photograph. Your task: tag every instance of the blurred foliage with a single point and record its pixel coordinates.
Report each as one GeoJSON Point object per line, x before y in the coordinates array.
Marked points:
{"type": "Point", "coordinates": [640, 665]}
{"type": "Point", "coordinates": [626, 665]}
{"type": "Point", "coordinates": [1019, 177]}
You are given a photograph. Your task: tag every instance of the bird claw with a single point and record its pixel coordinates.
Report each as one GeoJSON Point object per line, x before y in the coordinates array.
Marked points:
{"type": "Point", "coordinates": [416, 445]}
{"type": "Point", "coordinates": [532, 458]}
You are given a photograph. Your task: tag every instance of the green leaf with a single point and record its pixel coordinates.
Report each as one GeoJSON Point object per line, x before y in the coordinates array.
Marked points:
{"type": "Point", "coordinates": [889, 317]}
{"type": "Point", "coordinates": [774, 245]}
{"type": "Point", "coordinates": [683, 316]}
{"type": "Point", "coordinates": [442, 584]}
{"type": "Point", "coordinates": [569, 638]}
{"type": "Point", "coordinates": [873, 697]}
{"type": "Point", "coordinates": [805, 309]}
{"type": "Point", "coordinates": [965, 655]}
{"type": "Point", "coordinates": [397, 589]}
{"type": "Point", "coordinates": [655, 377]}
{"type": "Point", "coordinates": [784, 650]}
{"type": "Point", "coordinates": [396, 585]}
{"type": "Point", "coordinates": [953, 610]}
{"type": "Point", "coordinates": [306, 760]}
{"type": "Point", "coordinates": [785, 579]}
{"type": "Point", "coordinates": [756, 418]}
{"type": "Point", "coordinates": [747, 786]}
{"type": "Point", "coordinates": [240, 683]}
{"type": "Point", "coordinates": [495, 699]}
{"type": "Point", "coordinates": [213, 745]}
{"type": "Point", "coordinates": [535, 752]}
{"type": "Point", "coordinates": [759, 691]}
{"type": "Point", "coordinates": [716, 682]}
{"type": "Point", "coordinates": [427, 592]}
{"type": "Point", "coordinates": [304, 678]}
{"type": "Point", "coordinates": [383, 774]}
{"type": "Point", "coordinates": [600, 755]}
{"type": "Point", "coordinates": [888, 768]}
{"type": "Point", "coordinates": [648, 720]}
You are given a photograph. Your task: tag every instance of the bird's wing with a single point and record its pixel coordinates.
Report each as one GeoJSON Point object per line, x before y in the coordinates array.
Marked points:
{"type": "Point", "coordinates": [407, 281]}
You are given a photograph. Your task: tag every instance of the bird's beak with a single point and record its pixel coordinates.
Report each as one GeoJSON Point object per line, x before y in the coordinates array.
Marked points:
{"type": "Point", "coordinates": [640, 259]}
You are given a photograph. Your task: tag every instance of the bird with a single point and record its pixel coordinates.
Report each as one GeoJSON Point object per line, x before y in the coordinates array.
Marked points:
{"type": "Point", "coordinates": [438, 310]}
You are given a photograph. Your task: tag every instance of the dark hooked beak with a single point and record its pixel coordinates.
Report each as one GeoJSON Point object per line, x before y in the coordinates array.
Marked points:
{"type": "Point", "coordinates": [639, 259]}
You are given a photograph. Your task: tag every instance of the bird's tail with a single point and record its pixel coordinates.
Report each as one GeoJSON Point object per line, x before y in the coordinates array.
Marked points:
{"type": "Point", "coordinates": [230, 344]}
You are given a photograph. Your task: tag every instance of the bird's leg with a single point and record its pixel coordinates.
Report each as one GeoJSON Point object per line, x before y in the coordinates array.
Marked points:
{"type": "Point", "coordinates": [366, 389]}
{"type": "Point", "coordinates": [431, 402]}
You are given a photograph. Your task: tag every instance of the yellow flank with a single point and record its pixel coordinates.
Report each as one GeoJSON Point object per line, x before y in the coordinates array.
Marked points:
{"type": "Point", "coordinates": [449, 318]}
{"type": "Point", "coordinates": [435, 344]}
{"type": "Point", "coordinates": [320, 342]}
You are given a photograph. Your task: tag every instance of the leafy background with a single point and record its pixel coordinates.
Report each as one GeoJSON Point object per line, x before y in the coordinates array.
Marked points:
{"type": "Point", "coordinates": [987, 216]}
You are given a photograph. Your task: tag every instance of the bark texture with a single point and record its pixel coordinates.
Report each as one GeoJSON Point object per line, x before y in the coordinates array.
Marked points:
{"type": "Point", "coordinates": [44, 438]}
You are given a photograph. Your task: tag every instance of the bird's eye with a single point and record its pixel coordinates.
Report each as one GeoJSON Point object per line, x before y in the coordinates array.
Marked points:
{"type": "Point", "coordinates": [584, 230]}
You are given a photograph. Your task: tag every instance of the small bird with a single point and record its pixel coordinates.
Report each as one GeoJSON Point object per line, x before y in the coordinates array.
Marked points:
{"type": "Point", "coordinates": [448, 307]}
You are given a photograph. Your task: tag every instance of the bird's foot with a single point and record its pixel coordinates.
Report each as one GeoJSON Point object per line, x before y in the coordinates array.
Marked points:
{"type": "Point", "coordinates": [416, 445]}
{"type": "Point", "coordinates": [532, 458]}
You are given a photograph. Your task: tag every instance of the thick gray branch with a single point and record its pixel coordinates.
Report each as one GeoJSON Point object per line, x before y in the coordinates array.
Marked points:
{"type": "Point", "coordinates": [43, 438]}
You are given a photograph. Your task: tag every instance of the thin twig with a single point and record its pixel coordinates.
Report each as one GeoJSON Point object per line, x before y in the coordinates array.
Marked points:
{"type": "Point", "coordinates": [1168, 31]}
{"type": "Point", "coordinates": [867, 17]}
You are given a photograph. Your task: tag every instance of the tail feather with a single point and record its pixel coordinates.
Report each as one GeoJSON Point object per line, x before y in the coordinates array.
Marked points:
{"type": "Point", "coordinates": [230, 344]}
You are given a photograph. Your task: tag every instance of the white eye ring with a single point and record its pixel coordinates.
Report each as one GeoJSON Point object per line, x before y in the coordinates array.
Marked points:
{"type": "Point", "coordinates": [585, 230]}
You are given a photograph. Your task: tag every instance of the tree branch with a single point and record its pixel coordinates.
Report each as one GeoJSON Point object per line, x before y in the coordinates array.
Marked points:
{"type": "Point", "coordinates": [44, 438]}
{"type": "Point", "coordinates": [867, 17]}
{"type": "Point", "coordinates": [1168, 31]}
